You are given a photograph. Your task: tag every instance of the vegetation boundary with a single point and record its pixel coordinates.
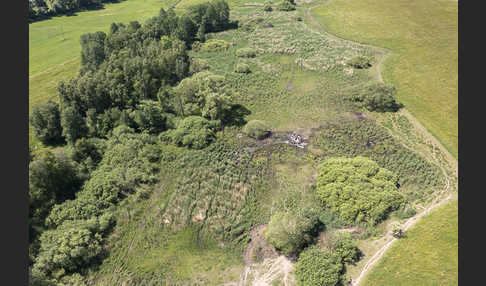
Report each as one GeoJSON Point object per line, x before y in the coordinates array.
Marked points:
{"type": "Point", "coordinates": [441, 199]}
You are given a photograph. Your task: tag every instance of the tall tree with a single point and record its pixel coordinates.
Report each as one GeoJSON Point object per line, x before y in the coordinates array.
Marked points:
{"type": "Point", "coordinates": [46, 122]}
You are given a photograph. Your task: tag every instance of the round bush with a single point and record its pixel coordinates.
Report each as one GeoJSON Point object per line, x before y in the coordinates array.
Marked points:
{"type": "Point", "coordinates": [246, 53]}
{"type": "Point", "coordinates": [256, 129]}
{"type": "Point", "coordinates": [242, 68]}
{"type": "Point", "coordinates": [290, 232]}
{"type": "Point", "coordinates": [318, 267]}
{"type": "Point", "coordinates": [360, 62]}
{"type": "Point", "coordinates": [267, 7]}
{"type": "Point", "coordinates": [286, 5]}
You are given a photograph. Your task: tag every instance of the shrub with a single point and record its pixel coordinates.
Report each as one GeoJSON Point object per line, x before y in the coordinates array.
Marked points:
{"type": "Point", "coordinates": [242, 68]}
{"type": "Point", "coordinates": [193, 131]}
{"type": "Point", "coordinates": [359, 62]}
{"type": "Point", "coordinates": [344, 246]}
{"type": "Point", "coordinates": [46, 122]}
{"type": "Point", "coordinates": [267, 7]}
{"type": "Point", "coordinates": [71, 246]}
{"type": "Point", "coordinates": [358, 189]}
{"type": "Point", "coordinates": [290, 232]}
{"type": "Point", "coordinates": [246, 53]}
{"type": "Point", "coordinates": [286, 5]}
{"type": "Point", "coordinates": [198, 65]}
{"type": "Point", "coordinates": [405, 212]}
{"type": "Point", "coordinates": [377, 97]}
{"type": "Point", "coordinates": [256, 129]}
{"type": "Point", "coordinates": [318, 267]}
{"type": "Point", "coordinates": [214, 45]}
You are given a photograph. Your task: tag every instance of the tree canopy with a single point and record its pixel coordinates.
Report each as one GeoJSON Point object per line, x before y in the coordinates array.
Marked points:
{"type": "Point", "coordinates": [358, 189]}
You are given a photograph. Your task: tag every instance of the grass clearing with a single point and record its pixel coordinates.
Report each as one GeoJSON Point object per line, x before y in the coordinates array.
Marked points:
{"type": "Point", "coordinates": [426, 256]}
{"type": "Point", "coordinates": [423, 38]}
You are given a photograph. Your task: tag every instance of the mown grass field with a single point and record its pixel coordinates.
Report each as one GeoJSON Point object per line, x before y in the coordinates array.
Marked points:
{"type": "Point", "coordinates": [426, 256]}
{"type": "Point", "coordinates": [423, 39]}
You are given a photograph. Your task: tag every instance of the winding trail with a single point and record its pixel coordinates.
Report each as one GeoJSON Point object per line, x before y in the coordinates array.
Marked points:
{"type": "Point", "coordinates": [450, 173]}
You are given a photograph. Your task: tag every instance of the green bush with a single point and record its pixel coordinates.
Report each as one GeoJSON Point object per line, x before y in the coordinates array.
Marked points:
{"type": "Point", "coordinates": [358, 189]}
{"type": "Point", "coordinates": [242, 68]}
{"type": "Point", "coordinates": [256, 129]}
{"type": "Point", "coordinates": [246, 53]}
{"type": "Point", "coordinates": [290, 232]}
{"type": "Point", "coordinates": [214, 45]}
{"type": "Point", "coordinates": [268, 7]}
{"type": "Point", "coordinates": [286, 5]}
{"type": "Point", "coordinates": [368, 139]}
{"type": "Point", "coordinates": [377, 97]}
{"type": "Point", "coordinates": [193, 131]}
{"type": "Point", "coordinates": [344, 246]}
{"type": "Point", "coordinates": [359, 62]}
{"type": "Point", "coordinates": [405, 212]}
{"type": "Point", "coordinates": [318, 267]}
{"type": "Point", "coordinates": [198, 65]}
{"type": "Point", "coordinates": [46, 123]}
{"type": "Point", "coordinates": [70, 247]}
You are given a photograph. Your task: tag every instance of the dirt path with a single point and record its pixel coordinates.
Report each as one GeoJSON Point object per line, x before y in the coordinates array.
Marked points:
{"type": "Point", "coordinates": [450, 172]}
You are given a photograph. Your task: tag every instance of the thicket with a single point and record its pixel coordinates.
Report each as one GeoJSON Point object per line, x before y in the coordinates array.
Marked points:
{"type": "Point", "coordinates": [327, 265]}
{"type": "Point", "coordinates": [78, 225]}
{"type": "Point", "coordinates": [246, 53]}
{"type": "Point", "coordinates": [286, 5]}
{"type": "Point", "coordinates": [256, 129]}
{"type": "Point", "coordinates": [242, 68]}
{"type": "Point", "coordinates": [366, 138]}
{"type": "Point", "coordinates": [318, 267]}
{"type": "Point", "coordinates": [360, 62]}
{"type": "Point", "coordinates": [376, 96]}
{"type": "Point", "coordinates": [358, 189]}
{"type": "Point", "coordinates": [290, 232]}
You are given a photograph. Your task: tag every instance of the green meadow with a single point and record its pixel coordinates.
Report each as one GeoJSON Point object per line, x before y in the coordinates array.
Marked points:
{"type": "Point", "coordinates": [426, 256]}
{"type": "Point", "coordinates": [423, 39]}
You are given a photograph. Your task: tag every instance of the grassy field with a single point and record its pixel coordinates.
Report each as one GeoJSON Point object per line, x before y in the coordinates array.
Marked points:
{"type": "Point", "coordinates": [423, 38]}
{"type": "Point", "coordinates": [426, 256]}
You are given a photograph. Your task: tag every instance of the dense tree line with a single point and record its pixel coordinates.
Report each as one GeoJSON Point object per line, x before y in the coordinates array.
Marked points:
{"type": "Point", "coordinates": [136, 82]}
{"type": "Point", "coordinates": [131, 76]}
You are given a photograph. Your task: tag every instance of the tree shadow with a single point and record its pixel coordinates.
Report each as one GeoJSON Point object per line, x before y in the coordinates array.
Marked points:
{"type": "Point", "coordinates": [236, 115]}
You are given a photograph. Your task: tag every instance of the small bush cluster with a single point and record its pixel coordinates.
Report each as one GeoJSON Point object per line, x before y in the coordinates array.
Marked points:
{"type": "Point", "coordinates": [318, 267]}
{"type": "Point", "coordinates": [360, 62]}
{"type": "Point", "coordinates": [376, 97]}
{"type": "Point", "coordinates": [256, 129]}
{"type": "Point", "coordinates": [242, 68]}
{"type": "Point", "coordinates": [287, 5]}
{"type": "Point", "coordinates": [214, 45]}
{"type": "Point", "coordinates": [246, 53]}
{"type": "Point", "coordinates": [366, 138]}
{"type": "Point", "coordinates": [268, 7]}
{"type": "Point", "coordinates": [193, 131]}
{"type": "Point", "coordinates": [290, 232]}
